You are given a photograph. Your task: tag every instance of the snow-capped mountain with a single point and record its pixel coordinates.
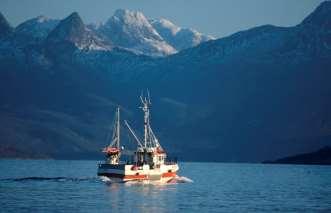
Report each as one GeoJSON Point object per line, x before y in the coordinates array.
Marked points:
{"type": "Point", "coordinates": [126, 30]}
{"type": "Point", "coordinates": [132, 30]}
{"type": "Point", "coordinates": [179, 38]}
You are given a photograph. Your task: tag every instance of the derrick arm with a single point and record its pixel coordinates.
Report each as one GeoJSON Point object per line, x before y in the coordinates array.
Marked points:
{"type": "Point", "coordinates": [132, 132]}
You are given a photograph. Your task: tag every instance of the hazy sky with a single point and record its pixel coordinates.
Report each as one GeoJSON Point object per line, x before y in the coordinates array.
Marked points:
{"type": "Point", "coordinates": [216, 17]}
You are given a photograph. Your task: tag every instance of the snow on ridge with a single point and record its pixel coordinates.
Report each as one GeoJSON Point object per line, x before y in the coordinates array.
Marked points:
{"type": "Point", "coordinates": [42, 19]}
{"type": "Point", "coordinates": [166, 24]}
{"type": "Point", "coordinates": [130, 17]}
{"type": "Point", "coordinates": [126, 29]}
{"type": "Point", "coordinates": [135, 22]}
{"type": "Point", "coordinates": [179, 38]}
{"type": "Point", "coordinates": [132, 30]}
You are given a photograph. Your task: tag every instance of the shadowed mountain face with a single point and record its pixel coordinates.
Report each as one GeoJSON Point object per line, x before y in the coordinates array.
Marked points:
{"type": "Point", "coordinates": [71, 34]}
{"type": "Point", "coordinates": [321, 17]}
{"type": "Point", "coordinates": [70, 29]}
{"type": "Point", "coordinates": [258, 94]}
{"type": "Point", "coordinates": [5, 28]}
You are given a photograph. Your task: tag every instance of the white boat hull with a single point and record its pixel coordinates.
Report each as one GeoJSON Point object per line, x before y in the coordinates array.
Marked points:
{"type": "Point", "coordinates": [129, 172]}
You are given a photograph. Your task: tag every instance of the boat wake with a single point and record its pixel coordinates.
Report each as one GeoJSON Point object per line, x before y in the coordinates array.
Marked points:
{"type": "Point", "coordinates": [56, 179]}
{"type": "Point", "coordinates": [181, 179]}
{"type": "Point", "coordinates": [105, 179]}
{"type": "Point", "coordinates": [176, 180]}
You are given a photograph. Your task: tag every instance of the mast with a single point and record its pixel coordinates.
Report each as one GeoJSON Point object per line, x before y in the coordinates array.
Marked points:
{"type": "Point", "coordinates": [118, 128]}
{"type": "Point", "coordinates": [112, 151]}
{"type": "Point", "coordinates": [115, 140]}
{"type": "Point", "coordinates": [146, 102]}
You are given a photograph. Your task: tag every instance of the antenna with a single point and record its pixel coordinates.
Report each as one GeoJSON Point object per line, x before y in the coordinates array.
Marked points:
{"type": "Point", "coordinates": [149, 97]}
{"type": "Point", "coordinates": [145, 99]}
{"type": "Point", "coordinates": [141, 96]}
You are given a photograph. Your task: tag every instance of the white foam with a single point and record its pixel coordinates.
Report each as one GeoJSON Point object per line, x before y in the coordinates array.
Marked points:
{"type": "Point", "coordinates": [181, 179]}
{"type": "Point", "coordinates": [105, 179]}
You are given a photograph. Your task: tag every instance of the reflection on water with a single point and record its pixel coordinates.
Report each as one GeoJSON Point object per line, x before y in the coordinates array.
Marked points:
{"type": "Point", "coordinates": [148, 196]}
{"type": "Point", "coordinates": [145, 196]}
{"type": "Point", "coordinates": [175, 180]}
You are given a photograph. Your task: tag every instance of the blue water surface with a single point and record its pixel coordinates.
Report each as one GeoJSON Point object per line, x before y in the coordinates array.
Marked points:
{"type": "Point", "coordinates": [72, 186]}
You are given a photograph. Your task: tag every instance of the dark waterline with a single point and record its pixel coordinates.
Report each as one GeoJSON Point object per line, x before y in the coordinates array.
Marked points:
{"type": "Point", "coordinates": [72, 186]}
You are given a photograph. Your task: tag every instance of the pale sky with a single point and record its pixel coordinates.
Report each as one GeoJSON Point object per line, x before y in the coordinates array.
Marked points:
{"type": "Point", "coordinates": [215, 17]}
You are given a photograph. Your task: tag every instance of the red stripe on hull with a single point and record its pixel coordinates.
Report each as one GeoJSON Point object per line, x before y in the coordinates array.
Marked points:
{"type": "Point", "coordinates": [132, 177]}
{"type": "Point", "coordinates": [169, 174]}
{"type": "Point", "coordinates": [135, 177]}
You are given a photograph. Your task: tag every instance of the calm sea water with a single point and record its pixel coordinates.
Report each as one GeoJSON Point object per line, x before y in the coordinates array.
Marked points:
{"type": "Point", "coordinates": [72, 186]}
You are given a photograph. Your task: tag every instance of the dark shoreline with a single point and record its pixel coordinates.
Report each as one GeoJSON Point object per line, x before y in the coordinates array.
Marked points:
{"type": "Point", "coordinates": [319, 157]}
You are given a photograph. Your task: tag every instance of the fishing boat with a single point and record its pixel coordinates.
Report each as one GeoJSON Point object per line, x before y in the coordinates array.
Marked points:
{"type": "Point", "coordinates": [149, 159]}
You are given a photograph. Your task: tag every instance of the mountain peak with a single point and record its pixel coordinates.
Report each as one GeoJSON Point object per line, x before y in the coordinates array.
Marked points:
{"type": "Point", "coordinates": [128, 15]}
{"type": "Point", "coordinates": [130, 18]}
{"type": "Point", "coordinates": [73, 20]}
{"type": "Point", "coordinates": [132, 30]}
{"type": "Point", "coordinates": [321, 16]}
{"type": "Point", "coordinates": [71, 33]}
{"type": "Point", "coordinates": [74, 16]}
{"type": "Point", "coordinates": [71, 29]}
{"type": "Point", "coordinates": [5, 27]}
